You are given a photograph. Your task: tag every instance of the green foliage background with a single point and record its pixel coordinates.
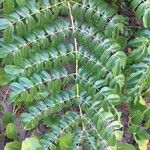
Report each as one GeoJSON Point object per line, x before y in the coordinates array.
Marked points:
{"type": "Point", "coordinates": [65, 63]}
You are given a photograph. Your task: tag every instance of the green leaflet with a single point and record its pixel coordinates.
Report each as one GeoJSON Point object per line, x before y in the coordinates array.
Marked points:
{"type": "Point", "coordinates": [11, 131]}
{"type": "Point", "coordinates": [135, 3]}
{"type": "Point", "coordinates": [4, 78]}
{"type": "Point", "coordinates": [12, 70]}
{"type": "Point", "coordinates": [140, 10]}
{"type": "Point", "coordinates": [8, 6]}
{"type": "Point", "coordinates": [142, 134]}
{"type": "Point", "coordinates": [13, 146]}
{"type": "Point", "coordinates": [24, 81]}
{"type": "Point", "coordinates": [4, 23]}
{"type": "Point", "coordinates": [135, 119]}
{"type": "Point", "coordinates": [65, 141]}
{"type": "Point", "coordinates": [30, 144]}
{"type": "Point", "coordinates": [125, 147]}
{"type": "Point", "coordinates": [4, 51]}
{"type": "Point", "coordinates": [20, 29]}
{"type": "Point", "coordinates": [41, 20]}
{"type": "Point", "coordinates": [146, 18]}
{"type": "Point", "coordinates": [31, 24]}
{"type": "Point", "coordinates": [51, 120]}
{"type": "Point", "coordinates": [7, 118]}
{"type": "Point", "coordinates": [9, 34]}
{"type": "Point", "coordinates": [115, 33]}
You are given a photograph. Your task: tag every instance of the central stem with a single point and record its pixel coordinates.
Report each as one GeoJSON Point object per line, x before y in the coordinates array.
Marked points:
{"type": "Point", "coordinates": [75, 46]}
{"type": "Point", "coordinates": [76, 55]}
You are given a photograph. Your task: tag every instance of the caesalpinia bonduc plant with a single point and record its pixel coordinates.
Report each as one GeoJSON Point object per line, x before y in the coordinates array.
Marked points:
{"type": "Point", "coordinates": [65, 63]}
